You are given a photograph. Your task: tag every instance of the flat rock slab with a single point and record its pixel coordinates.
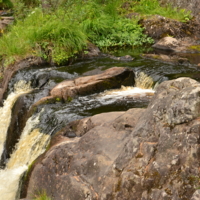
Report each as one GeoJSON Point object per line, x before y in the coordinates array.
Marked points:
{"type": "Point", "coordinates": [109, 79]}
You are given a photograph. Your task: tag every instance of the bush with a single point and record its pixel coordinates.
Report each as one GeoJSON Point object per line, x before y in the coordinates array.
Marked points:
{"type": "Point", "coordinates": [60, 32]}
{"type": "Point", "coordinates": [5, 4]}
{"type": "Point", "coordinates": [43, 35]}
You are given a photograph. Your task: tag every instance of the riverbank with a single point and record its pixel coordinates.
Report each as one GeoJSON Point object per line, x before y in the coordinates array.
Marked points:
{"type": "Point", "coordinates": [43, 35]}
{"type": "Point", "coordinates": [147, 153]}
{"type": "Point", "coordinates": [58, 32]}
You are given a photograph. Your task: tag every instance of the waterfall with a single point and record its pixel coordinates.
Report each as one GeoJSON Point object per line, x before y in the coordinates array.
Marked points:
{"type": "Point", "coordinates": [143, 81]}
{"type": "Point", "coordinates": [32, 143]}
{"type": "Point", "coordinates": [20, 88]}
{"type": "Point", "coordinates": [143, 87]}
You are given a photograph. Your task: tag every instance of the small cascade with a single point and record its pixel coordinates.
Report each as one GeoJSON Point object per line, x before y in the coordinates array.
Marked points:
{"type": "Point", "coordinates": [20, 88]}
{"type": "Point", "coordinates": [143, 87]}
{"type": "Point", "coordinates": [128, 91]}
{"type": "Point", "coordinates": [143, 81]}
{"type": "Point", "coordinates": [32, 143]}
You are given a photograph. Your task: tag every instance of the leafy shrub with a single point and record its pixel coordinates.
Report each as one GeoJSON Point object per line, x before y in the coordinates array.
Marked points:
{"type": "Point", "coordinates": [5, 4]}
{"type": "Point", "coordinates": [44, 35]}
{"type": "Point", "coordinates": [116, 33]}
{"type": "Point", "coordinates": [64, 30]}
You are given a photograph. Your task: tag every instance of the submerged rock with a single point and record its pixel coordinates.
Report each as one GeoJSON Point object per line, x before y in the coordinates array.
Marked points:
{"type": "Point", "coordinates": [175, 59]}
{"type": "Point", "coordinates": [139, 154]}
{"type": "Point", "coordinates": [122, 58]}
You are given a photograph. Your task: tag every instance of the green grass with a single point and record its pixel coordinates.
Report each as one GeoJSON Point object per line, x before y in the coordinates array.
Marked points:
{"type": "Point", "coordinates": [64, 29]}
{"type": "Point", "coordinates": [42, 196]}
{"type": "Point", "coordinates": [6, 4]}
{"type": "Point", "coordinates": [153, 7]}
{"type": "Point", "coordinates": [45, 35]}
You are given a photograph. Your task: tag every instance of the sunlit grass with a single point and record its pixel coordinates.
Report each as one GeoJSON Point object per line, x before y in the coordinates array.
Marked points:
{"type": "Point", "coordinates": [63, 30]}
{"type": "Point", "coordinates": [153, 7]}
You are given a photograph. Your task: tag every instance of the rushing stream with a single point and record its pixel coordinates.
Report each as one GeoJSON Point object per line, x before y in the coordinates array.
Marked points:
{"type": "Point", "coordinates": [32, 84]}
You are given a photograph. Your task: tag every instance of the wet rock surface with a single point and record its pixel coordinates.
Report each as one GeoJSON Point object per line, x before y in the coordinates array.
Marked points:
{"type": "Point", "coordinates": [144, 154]}
{"type": "Point", "coordinates": [9, 72]}
{"type": "Point", "coordinates": [174, 59]}
{"type": "Point", "coordinates": [176, 51]}
{"type": "Point", "coordinates": [109, 79]}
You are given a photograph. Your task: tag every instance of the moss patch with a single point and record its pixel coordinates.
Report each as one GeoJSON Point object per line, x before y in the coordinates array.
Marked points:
{"type": "Point", "coordinates": [194, 47]}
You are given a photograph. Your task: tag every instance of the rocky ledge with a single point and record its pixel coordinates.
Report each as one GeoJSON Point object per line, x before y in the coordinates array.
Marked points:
{"type": "Point", "coordinates": [140, 154]}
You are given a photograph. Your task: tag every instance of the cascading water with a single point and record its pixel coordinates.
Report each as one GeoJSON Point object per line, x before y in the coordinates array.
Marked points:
{"type": "Point", "coordinates": [143, 88]}
{"type": "Point", "coordinates": [20, 88]}
{"type": "Point", "coordinates": [32, 143]}
{"type": "Point", "coordinates": [143, 81]}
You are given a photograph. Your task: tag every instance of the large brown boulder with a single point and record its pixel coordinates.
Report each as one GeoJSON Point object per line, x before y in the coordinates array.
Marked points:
{"type": "Point", "coordinates": [161, 159]}
{"type": "Point", "coordinates": [109, 79]}
{"type": "Point", "coordinates": [140, 154]}
{"type": "Point", "coordinates": [74, 168]}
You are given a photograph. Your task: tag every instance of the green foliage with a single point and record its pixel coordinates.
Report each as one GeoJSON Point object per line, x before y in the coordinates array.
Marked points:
{"type": "Point", "coordinates": [152, 7]}
{"type": "Point", "coordinates": [5, 4]}
{"type": "Point", "coordinates": [115, 33]}
{"type": "Point", "coordinates": [42, 196]}
{"type": "Point", "coordinates": [59, 29]}
{"type": "Point", "coordinates": [63, 32]}
{"type": "Point", "coordinates": [43, 35]}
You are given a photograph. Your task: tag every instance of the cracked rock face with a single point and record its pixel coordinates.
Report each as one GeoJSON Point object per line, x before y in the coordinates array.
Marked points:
{"type": "Point", "coordinates": [141, 154]}
{"type": "Point", "coordinates": [161, 160]}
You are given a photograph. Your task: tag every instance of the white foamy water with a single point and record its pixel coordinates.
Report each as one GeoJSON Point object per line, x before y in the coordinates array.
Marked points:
{"type": "Point", "coordinates": [5, 112]}
{"type": "Point", "coordinates": [130, 92]}
{"type": "Point", "coordinates": [32, 143]}
{"type": "Point", "coordinates": [9, 183]}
